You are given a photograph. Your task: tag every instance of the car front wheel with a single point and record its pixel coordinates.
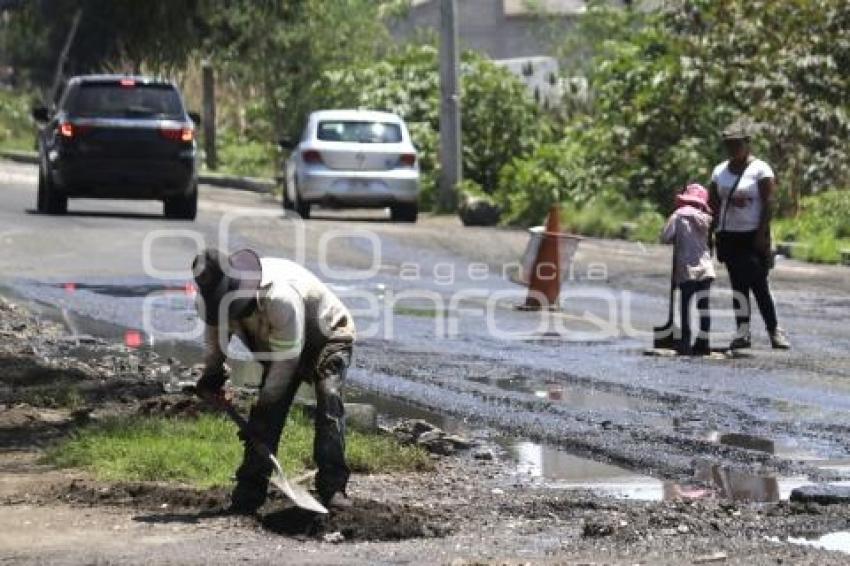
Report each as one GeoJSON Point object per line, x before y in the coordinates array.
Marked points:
{"type": "Point", "coordinates": [182, 207]}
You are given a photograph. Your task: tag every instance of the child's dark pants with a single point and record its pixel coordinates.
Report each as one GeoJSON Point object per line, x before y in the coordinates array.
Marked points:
{"type": "Point", "coordinates": [701, 291]}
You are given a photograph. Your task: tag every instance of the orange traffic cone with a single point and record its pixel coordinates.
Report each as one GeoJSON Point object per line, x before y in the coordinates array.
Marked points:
{"type": "Point", "coordinates": [544, 282]}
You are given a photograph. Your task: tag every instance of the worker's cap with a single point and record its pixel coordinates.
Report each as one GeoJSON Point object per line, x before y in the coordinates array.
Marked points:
{"type": "Point", "coordinates": [232, 279]}
{"type": "Point", "coordinates": [737, 130]}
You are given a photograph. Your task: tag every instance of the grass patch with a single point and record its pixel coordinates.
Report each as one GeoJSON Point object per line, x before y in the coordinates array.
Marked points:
{"type": "Point", "coordinates": [205, 451]}
{"type": "Point", "coordinates": [822, 228]}
{"type": "Point", "coordinates": [17, 130]}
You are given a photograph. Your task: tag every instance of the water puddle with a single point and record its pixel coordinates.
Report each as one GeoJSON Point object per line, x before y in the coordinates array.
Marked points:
{"type": "Point", "coordinates": [395, 409]}
{"type": "Point", "coordinates": [838, 541]}
{"type": "Point", "coordinates": [90, 338]}
{"type": "Point", "coordinates": [562, 470]}
{"type": "Point", "coordinates": [557, 469]}
{"type": "Point", "coordinates": [575, 396]}
{"type": "Point", "coordinates": [128, 291]}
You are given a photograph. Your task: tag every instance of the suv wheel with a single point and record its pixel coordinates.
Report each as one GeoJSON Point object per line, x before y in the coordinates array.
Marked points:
{"type": "Point", "coordinates": [404, 212]}
{"type": "Point", "coordinates": [48, 201]}
{"type": "Point", "coordinates": [183, 207]}
{"type": "Point", "coordinates": [41, 200]}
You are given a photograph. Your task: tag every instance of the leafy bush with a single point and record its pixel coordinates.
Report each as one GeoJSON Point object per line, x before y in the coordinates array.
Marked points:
{"type": "Point", "coordinates": [612, 216]}
{"type": "Point", "coordinates": [822, 227]}
{"type": "Point", "coordinates": [243, 156]}
{"type": "Point", "coordinates": [16, 127]}
{"type": "Point", "coordinates": [554, 172]}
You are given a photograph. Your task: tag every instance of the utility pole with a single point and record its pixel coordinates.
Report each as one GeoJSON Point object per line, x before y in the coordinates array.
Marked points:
{"type": "Point", "coordinates": [208, 118]}
{"type": "Point", "coordinates": [451, 170]}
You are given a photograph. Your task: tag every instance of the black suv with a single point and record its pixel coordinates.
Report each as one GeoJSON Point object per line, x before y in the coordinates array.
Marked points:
{"type": "Point", "coordinates": [119, 137]}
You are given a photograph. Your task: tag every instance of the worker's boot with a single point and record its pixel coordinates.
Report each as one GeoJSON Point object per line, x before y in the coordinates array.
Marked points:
{"type": "Point", "coordinates": [779, 340]}
{"type": "Point", "coordinates": [742, 339]}
{"type": "Point", "coordinates": [247, 497]}
{"type": "Point", "coordinates": [338, 500]}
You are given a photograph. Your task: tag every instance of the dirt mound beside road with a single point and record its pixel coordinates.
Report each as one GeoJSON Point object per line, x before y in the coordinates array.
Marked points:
{"type": "Point", "coordinates": [364, 521]}
{"type": "Point", "coordinates": [140, 495]}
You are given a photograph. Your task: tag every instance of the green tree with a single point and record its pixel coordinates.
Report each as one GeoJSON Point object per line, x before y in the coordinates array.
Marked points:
{"type": "Point", "coordinates": [124, 34]}
{"type": "Point", "coordinates": [665, 89]}
{"type": "Point", "coordinates": [281, 47]}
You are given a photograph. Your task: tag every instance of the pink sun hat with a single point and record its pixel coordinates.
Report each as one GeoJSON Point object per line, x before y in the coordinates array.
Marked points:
{"type": "Point", "coordinates": [694, 195]}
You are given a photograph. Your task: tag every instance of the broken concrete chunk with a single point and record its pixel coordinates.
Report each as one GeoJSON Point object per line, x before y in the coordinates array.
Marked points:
{"type": "Point", "coordinates": [748, 441]}
{"type": "Point", "coordinates": [483, 454]}
{"type": "Point", "coordinates": [334, 538]}
{"type": "Point", "coordinates": [822, 493]}
{"type": "Point", "coordinates": [459, 442]}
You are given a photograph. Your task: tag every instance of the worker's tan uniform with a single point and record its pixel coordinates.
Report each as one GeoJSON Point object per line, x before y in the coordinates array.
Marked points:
{"type": "Point", "coordinates": [300, 330]}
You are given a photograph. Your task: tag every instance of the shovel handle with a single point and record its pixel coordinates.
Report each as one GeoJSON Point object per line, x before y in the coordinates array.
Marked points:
{"type": "Point", "coordinates": [227, 407]}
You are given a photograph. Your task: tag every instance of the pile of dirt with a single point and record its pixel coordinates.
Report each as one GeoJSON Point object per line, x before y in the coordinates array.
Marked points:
{"type": "Point", "coordinates": [364, 521]}
{"type": "Point", "coordinates": [148, 496]}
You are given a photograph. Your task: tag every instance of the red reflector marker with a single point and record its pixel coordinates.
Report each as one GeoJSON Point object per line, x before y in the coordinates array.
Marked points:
{"type": "Point", "coordinates": [133, 339]}
{"type": "Point", "coordinates": [311, 156]}
{"type": "Point", "coordinates": [408, 159]}
{"type": "Point", "coordinates": [127, 83]}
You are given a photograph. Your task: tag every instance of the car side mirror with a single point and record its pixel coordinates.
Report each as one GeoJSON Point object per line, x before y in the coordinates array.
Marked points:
{"type": "Point", "coordinates": [196, 118]}
{"type": "Point", "coordinates": [286, 144]}
{"type": "Point", "coordinates": [41, 114]}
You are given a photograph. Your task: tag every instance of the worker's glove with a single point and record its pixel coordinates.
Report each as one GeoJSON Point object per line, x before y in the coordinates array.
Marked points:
{"type": "Point", "coordinates": [212, 383]}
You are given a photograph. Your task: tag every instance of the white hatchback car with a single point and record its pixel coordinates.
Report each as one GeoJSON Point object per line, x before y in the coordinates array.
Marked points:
{"type": "Point", "coordinates": [353, 159]}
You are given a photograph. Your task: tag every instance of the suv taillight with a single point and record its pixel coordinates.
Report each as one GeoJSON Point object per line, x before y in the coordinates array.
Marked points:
{"type": "Point", "coordinates": [311, 156]}
{"type": "Point", "coordinates": [69, 131]}
{"type": "Point", "coordinates": [407, 159]}
{"type": "Point", "coordinates": [178, 134]}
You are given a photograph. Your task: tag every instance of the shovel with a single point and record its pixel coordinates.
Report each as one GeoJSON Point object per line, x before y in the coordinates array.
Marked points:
{"type": "Point", "coordinates": [294, 492]}
{"type": "Point", "coordinates": [664, 336]}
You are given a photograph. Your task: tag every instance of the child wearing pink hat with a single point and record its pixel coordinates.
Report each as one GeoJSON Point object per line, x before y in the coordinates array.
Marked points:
{"type": "Point", "coordinates": [693, 270]}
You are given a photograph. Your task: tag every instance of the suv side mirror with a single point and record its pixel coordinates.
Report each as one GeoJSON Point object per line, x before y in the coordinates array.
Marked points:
{"type": "Point", "coordinates": [286, 144]}
{"type": "Point", "coordinates": [41, 114]}
{"type": "Point", "coordinates": [196, 118]}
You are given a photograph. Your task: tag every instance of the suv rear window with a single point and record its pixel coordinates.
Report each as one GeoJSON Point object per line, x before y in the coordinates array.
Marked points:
{"type": "Point", "coordinates": [113, 100]}
{"type": "Point", "coordinates": [359, 132]}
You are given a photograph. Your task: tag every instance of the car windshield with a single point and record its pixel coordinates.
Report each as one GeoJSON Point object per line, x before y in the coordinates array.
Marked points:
{"type": "Point", "coordinates": [126, 101]}
{"type": "Point", "coordinates": [359, 132]}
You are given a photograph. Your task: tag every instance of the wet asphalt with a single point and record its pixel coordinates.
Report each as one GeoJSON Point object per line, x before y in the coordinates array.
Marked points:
{"type": "Point", "coordinates": [439, 332]}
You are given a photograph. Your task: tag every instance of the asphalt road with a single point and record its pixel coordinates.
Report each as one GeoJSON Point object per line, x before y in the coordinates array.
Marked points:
{"type": "Point", "coordinates": [438, 328]}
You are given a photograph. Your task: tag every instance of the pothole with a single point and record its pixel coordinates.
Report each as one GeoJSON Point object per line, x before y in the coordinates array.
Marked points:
{"type": "Point", "coordinates": [364, 521]}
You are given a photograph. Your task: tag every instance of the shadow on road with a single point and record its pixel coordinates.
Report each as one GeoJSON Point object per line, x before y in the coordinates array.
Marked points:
{"type": "Point", "coordinates": [106, 214]}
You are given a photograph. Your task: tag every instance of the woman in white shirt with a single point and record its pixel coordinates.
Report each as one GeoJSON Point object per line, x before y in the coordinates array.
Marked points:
{"type": "Point", "coordinates": [741, 194]}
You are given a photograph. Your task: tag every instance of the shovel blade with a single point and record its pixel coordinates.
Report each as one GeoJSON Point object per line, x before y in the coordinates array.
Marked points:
{"type": "Point", "coordinates": [294, 492]}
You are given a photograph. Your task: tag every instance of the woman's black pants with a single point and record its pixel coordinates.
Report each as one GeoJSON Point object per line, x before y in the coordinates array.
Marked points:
{"type": "Point", "coordinates": [748, 271]}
